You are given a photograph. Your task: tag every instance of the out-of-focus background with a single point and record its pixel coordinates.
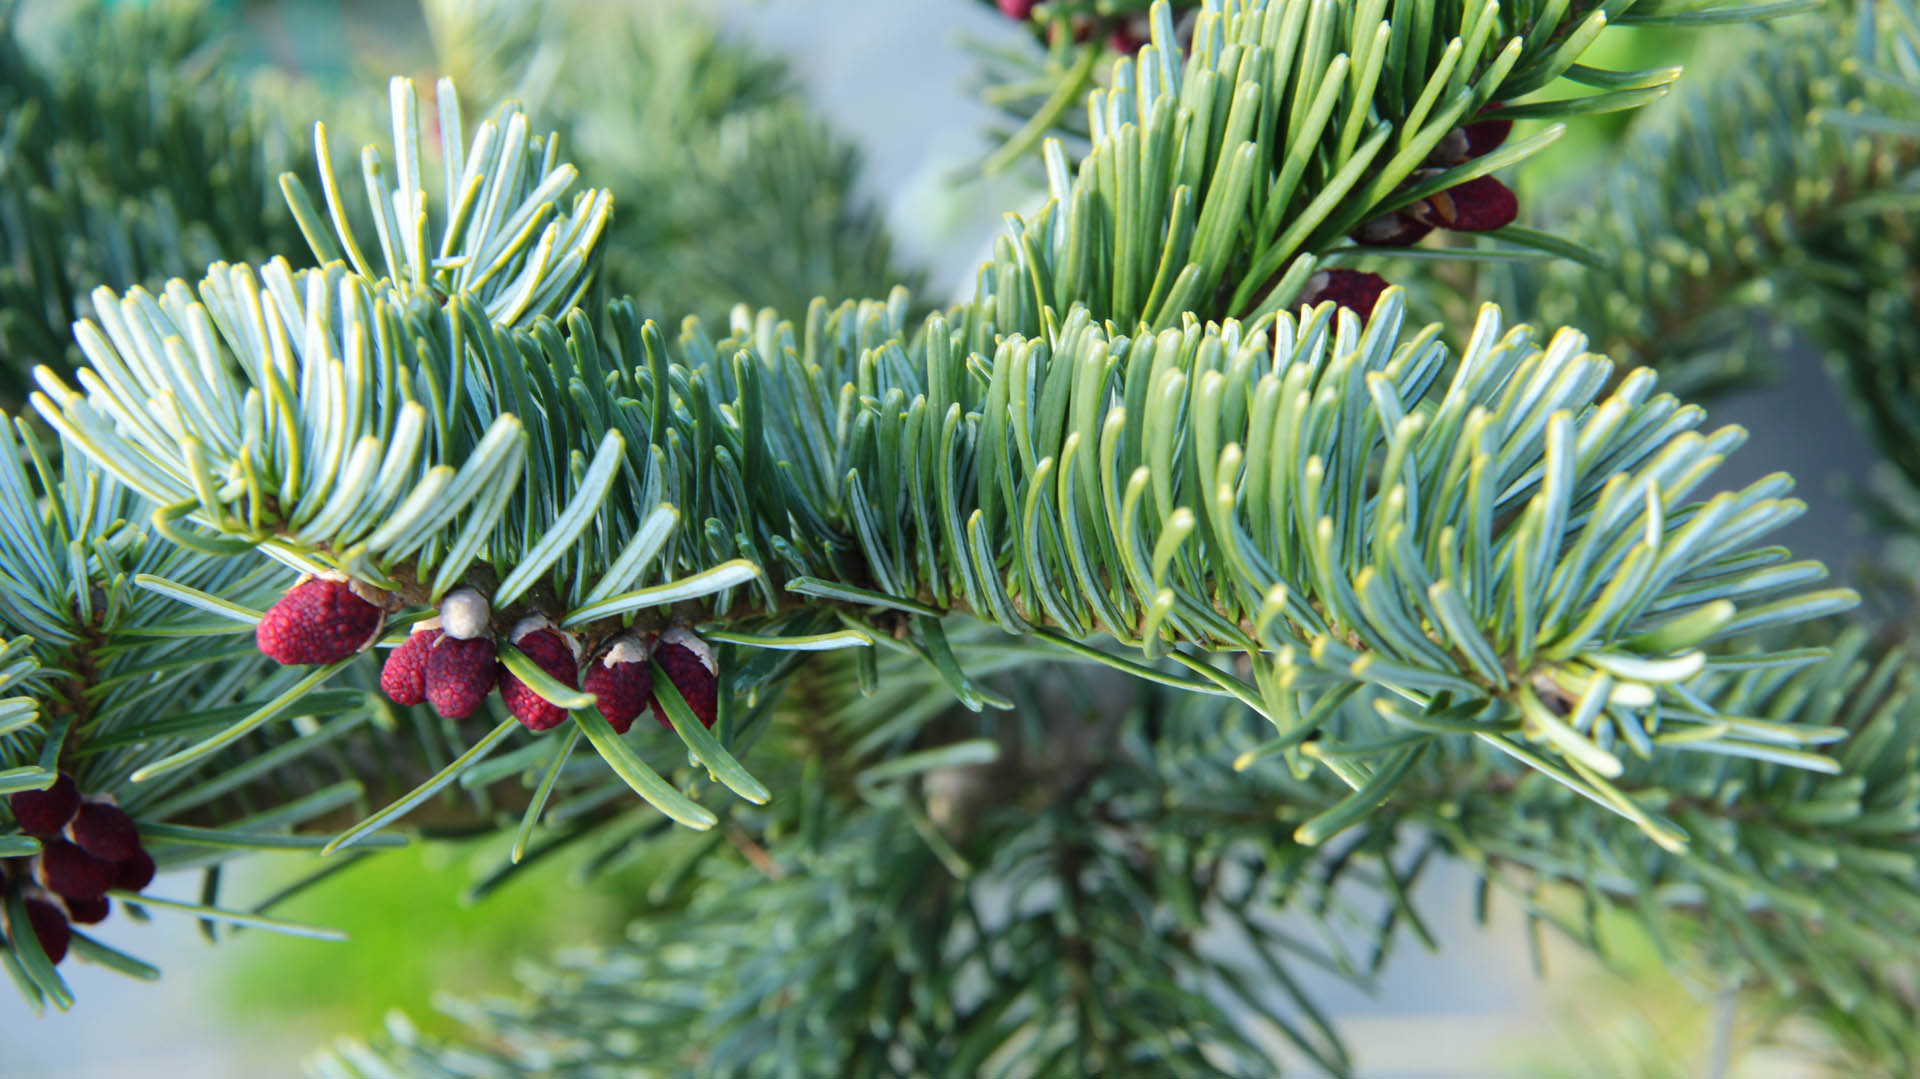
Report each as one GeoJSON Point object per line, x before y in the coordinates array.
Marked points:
{"type": "Point", "coordinates": [888, 75]}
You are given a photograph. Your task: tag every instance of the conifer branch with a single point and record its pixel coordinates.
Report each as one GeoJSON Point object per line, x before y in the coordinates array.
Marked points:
{"type": "Point", "coordinates": [1399, 558]}
{"type": "Point", "coordinates": [1529, 45]}
{"type": "Point", "coordinates": [1103, 826]}
{"type": "Point", "coordinates": [1523, 562]}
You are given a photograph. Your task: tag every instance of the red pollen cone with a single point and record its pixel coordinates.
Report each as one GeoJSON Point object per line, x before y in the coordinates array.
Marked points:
{"type": "Point", "coordinates": [318, 621]}
{"type": "Point", "coordinates": [460, 674]}
{"type": "Point", "coordinates": [44, 813]}
{"type": "Point", "coordinates": [550, 652]}
{"type": "Point", "coordinates": [403, 678]}
{"type": "Point", "coordinates": [49, 927]}
{"type": "Point", "coordinates": [104, 830]}
{"type": "Point", "coordinates": [1354, 290]}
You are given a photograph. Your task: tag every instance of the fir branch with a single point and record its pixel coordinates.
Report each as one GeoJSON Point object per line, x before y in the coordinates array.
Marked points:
{"type": "Point", "coordinates": [1033, 90]}
{"type": "Point", "coordinates": [109, 676]}
{"type": "Point", "coordinates": [1056, 949]}
{"type": "Point", "coordinates": [1515, 472]}
{"type": "Point", "coordinates": [1862, 269]}
{"type": "Point", "coordinates": [1802, 885]}
{"type": "Point", "coordinates": [1301, 514]}
{"type": "Point", "coordinates": [1214, 181]}
{"type": "Point", "coordinates": [1102, 823]}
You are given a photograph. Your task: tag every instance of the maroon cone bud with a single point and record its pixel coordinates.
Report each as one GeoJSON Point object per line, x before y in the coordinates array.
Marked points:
{"type": "Point", "coordinates": [622, 682]}
{"type": "Point", "coordinates": [1480, 204]}
{"type": "Point", "coordinates": [88, 911]}
{"type": "Point", "coordinates": [551, 653]}
{"type": "Point", "coordinates": [1017, 9]}
{"type": "Point", "coordinates": [1352, 289]}
{"type": "Point", "coordinates": [403, 678]}
{"type": "Point", "coordinates": [318, 621]}
{"type": "Point", "coordinates": [104, 830]}
{"type": "Point", "coordinates": [49, 927]}
{"type": "Point", "coordinates": [1484, 136]}
{"type": "Point", "coordinates": [70, 871]}
{"type": "Point", "coordinates": [688, 664]}
{"type": "Point", "coordinates": [460, 674]}
{"type": "Point", "coordinates": [44, 813]}
{"type": "Point", "coordinates": [1395, 229]}
{"type": "Point", "coordinates": [134, 874]}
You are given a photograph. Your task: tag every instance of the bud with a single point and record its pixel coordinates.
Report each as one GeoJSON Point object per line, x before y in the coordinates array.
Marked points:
{"type": "Point", "coordinates": [104, 830]}
{"type": "Point", "coordinates": [554, 653]}
{"type": "Point", "coordinates": [135, 873]}
{"type": "Point", "coordinates": [67, 870]}
{"type": "Point", "coordinates": [404, 676]}
{"type": "Point", "coordinates": [688, 664]}
{"type": "Point", "coordinates": [48, 925]}
{"type": "Point", "coordinates": [1356, 291]}
{"type": "Point", "coordinates": [44, 813]}
{"type": "Point", "coordinates": [465, 614]}
{"type": "Point", "coordinates": [87, 911]}
{"type": "Point", "coordinates": [621, 681]}
{"type": "Point", "coordinates": [460, 674]}
{"type": "Point", "coordinates": [320, 620]}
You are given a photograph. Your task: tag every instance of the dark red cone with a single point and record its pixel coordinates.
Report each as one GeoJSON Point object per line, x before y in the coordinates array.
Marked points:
{"type": "Point", "coordinates": [622, 682]}
{"type": "Point", "coordinates": [403, 678]}
{"type": "Point", "coordinates": [1352, 289]}
{"type": "Point", "coordinates": [1487, 135]}
{"type": "Point", "coordinates": [44, 813]}
{"type": "Point", "coordinates": [317, 621]}
{"type": "Point", "coordinates": [104, 830]}
{"type": "Point", "coordinates": [688, 664]}
{"type": "Point", "coordinates": [1478, 205]}
{"type": "Point", "coordinates": [134, 874]}
{"type": "Point", "coordinates": [551, 653]}
{"type": "Point", "coordinates": [460, 674]}
{"type": "Point", "coordinates": [49, 927]}
{"type": "Point", "coordinates": [88, 911]}
{"type": "Point", "coordinates": [69, 871]}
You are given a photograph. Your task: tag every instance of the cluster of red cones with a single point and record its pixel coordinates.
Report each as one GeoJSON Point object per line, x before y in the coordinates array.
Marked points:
{"type": "Point", "coordinates": [452, 662]}
{"type": "Point", "coordinates": [88, 847]}
{"type": "Point", "coordinates": [1478, 205]}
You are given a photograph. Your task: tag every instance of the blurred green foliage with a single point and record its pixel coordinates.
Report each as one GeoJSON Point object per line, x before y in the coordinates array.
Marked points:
{"type": "Point", "coordinates": [413, 935]}
{"type": "Point", "coordinates": [1620, 48]}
